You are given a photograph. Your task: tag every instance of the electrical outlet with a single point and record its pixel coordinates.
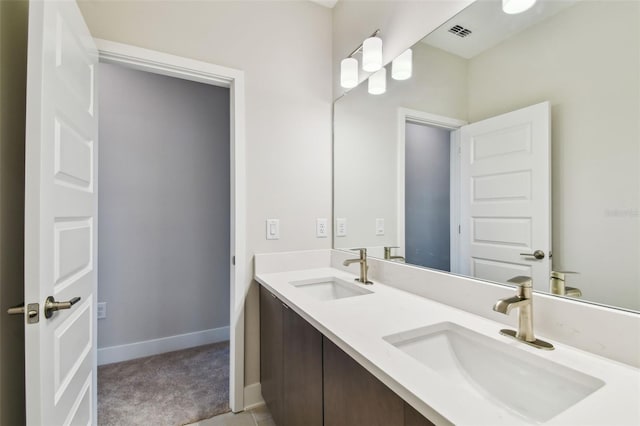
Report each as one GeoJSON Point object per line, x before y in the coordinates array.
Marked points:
{"type": "Point", "coordinates": [379, 226]}
{"type": "Point", "coordinates": [341, 227]}
{"type": "Point", "coordinates": [321, 228]}
{"type": "Point", "coordinates": [102, 310]}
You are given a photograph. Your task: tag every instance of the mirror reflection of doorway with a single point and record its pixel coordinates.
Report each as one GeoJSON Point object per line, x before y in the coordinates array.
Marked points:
{"type": "Point", "coordinates": [427, 196]}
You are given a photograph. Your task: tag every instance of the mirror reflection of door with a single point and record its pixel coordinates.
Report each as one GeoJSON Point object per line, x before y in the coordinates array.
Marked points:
{"type": "Point", "coordinates": [505, 196]}
{"type": "Point", "coordinates": [427, 189]}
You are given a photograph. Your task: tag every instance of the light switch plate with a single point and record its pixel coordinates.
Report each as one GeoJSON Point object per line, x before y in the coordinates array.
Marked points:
{"type": "Point", "coordinates": [321, 228]}
{"type": "Point", "coordinates": [379, 226]}
{"type": "Point", "coordinates": [273, 229]}
{"type": "Point", "coordinates": [102, 310]}
{"type": "Point", "coordinates": [341, 227]}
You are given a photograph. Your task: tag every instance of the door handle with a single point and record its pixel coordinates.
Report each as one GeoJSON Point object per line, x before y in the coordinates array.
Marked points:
{"type": "Point", "coordinates": [32, 312]}
{"type": "Point", "coordinates": [538, 254]}
{"type": "Point", "coordinates": [50, 305]}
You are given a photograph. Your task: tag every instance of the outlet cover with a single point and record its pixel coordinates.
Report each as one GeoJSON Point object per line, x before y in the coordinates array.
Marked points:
{"type": "Point", "coordinates": [321, 228]}
{"type": "Point", "coordinates": [379, 226]}
{"type": "Point", "coordinates": [102, 310]}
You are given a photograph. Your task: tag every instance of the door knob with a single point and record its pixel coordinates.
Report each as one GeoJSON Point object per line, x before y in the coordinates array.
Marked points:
{"type": "Point", "coordinates": [50, 305]}
{"type": "Point", "coordinates": [538, 254]}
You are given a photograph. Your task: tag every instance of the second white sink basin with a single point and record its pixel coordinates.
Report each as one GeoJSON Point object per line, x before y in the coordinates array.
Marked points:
{"type": "Point", "coordinates": [529, 385]}
{"type": "Point", "coordinates": [330, 288]}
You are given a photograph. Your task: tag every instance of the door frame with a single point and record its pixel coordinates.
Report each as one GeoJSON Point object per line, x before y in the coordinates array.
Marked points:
{"type": "Point", "coordinates": [420, 117]}
{"type": "Point", "coordinates": [203, 72]}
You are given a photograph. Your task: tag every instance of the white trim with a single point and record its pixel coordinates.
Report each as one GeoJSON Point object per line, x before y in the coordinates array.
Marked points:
{"type": "Point", "coordinates": [454, 202]}
{"type": "Point", "coordinates": [203, 72]}
{"type": "Point", "coordinates": [253, 396]}
{"type": "Point", "coordinates": [135, 350]}
{"type": "Point", "coordinates": [414, 116]}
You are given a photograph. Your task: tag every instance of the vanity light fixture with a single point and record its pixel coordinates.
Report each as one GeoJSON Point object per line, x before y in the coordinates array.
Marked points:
{"type": "Point", "coordinates": [402, 65]}
{"type": "Point", "coordinates": [513, 7]}
{"type": "Point", "coordinates": [349, 73]}
{"type": "Point", "coordinates": [378, 82]}
{"type": "Point", "coordinates": [372, 54]}
{"type": "Point", "coordinates": [371, 61]}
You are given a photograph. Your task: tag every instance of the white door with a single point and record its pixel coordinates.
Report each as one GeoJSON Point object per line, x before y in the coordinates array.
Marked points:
{"type": "Point", "coordinates": [505, 199]}
{"type": "Point", "coordinates": [60, 215]}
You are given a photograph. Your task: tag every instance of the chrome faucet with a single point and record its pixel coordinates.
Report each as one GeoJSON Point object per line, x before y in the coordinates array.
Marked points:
{"type": "Point", "coordinates": [557, 285]}
{"type": "Point", "coordinates": [362, 260]}
{"type": "Point", "coordinates": [388, 256]}
{"type": "Point", "coordinates": [524, 302]}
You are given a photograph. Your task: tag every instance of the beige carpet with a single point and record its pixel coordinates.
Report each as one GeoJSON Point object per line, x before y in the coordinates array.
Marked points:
{"type": "Point", "coordinates": [175, 388]}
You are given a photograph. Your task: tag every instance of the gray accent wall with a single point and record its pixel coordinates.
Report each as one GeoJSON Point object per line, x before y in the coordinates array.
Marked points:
{"type": "Point", "coordinates": [427, 216]}
{"type": "Point", "coordinates": [164, 188]}
{"type": "Point", "coordinates": [13, 81]}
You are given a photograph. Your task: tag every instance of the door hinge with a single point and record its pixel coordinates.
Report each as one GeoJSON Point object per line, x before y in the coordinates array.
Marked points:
{"type": "Point", "coordinates": [233, 260]}
{"type": "Point", "coordinates": [459, 232]}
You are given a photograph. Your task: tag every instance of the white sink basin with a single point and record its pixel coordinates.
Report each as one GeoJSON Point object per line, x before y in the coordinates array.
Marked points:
{"type": "Point", "coordinates": [529, 385]}
{"type": "Point", "coordinates": [330, 288]}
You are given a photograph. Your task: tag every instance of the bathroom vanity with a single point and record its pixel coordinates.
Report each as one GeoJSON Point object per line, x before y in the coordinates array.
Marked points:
{"type": "Point", "coordinates": [336, 352]}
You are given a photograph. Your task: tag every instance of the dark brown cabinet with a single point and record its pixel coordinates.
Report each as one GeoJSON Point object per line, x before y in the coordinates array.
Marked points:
{"type": "Point", "coordinates": [271, 353]}
{"type": "Point", "coordinates": [302, 372]}
{"type": "Point", "coordinates": [355, 397]}
{"type": "Point", "coordinates": [290, 364]}
{"type": "Point", "coordinates": [308, 381]}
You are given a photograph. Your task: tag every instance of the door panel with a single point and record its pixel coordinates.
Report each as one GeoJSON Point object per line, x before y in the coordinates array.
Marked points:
{"type": "Point", "coordinates": [353, 396]}
{"type": "Point", "coordinates": [60, 215]}
{"type": "Point", "coordinates": [505, 196]}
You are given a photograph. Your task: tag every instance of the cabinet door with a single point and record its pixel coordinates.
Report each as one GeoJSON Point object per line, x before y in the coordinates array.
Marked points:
{"type": "Point", "coordinates": [271, 353]}
{"type": "Point", "coordinates": [413, 418]}
{"type": "Point", "coordinates": [353, 396]}
{"type": "Point", "coordinates": [302, 372]}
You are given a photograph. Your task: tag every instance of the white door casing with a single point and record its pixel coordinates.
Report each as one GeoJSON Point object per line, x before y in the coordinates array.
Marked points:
{"type": "Point", "coordinates": [60, 215]}
{"type": "Point", "coordinates": [505, 197]}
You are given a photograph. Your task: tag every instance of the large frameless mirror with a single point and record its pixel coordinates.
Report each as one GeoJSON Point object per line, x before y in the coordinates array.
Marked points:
{"type": "Point", "coordinates": [512, 150]}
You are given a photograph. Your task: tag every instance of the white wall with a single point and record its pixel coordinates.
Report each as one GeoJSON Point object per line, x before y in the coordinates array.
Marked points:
{"type": "Point", "coordinates": [163, 234]}
{"type": "Point", "coordinates": [401, 24]}
{"type": "Point", "coordinates": [285, 50]}
{"type": "Point", "coordinates": [591, 78]}
{"type": "Point", "coordinates": [366, 139]}
{"type": "Point", "coordinates": [13, 65]}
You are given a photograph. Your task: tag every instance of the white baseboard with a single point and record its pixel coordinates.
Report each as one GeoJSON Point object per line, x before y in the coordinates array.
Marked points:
{"type": "Point", "coordinates": [252, 396]}
{"type": "Point", "coordinates": [129, 351]}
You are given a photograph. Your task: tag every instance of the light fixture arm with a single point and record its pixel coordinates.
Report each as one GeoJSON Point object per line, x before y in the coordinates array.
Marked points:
{"type": "Point", "coordinates": [359, 48]}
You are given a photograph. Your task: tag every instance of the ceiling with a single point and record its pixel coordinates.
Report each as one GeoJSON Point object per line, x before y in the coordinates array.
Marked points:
{"type": "Point", "coordinates": [489, 25]}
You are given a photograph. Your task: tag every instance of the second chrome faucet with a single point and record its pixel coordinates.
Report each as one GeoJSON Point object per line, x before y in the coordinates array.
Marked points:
{"type": "Point", "coordinates": [362, 260]}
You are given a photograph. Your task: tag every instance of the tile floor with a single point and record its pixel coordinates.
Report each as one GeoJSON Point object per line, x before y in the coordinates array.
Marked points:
{"type": "Point", "coordinates": [257, 416]}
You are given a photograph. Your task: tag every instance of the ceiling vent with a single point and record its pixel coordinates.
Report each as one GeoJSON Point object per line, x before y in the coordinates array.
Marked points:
{"type": "Point", "coordinates": [460, 31]}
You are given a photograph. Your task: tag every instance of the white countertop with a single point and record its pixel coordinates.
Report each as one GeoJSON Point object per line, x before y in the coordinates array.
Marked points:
{"type": "Point", "coordinates": [358, 324]}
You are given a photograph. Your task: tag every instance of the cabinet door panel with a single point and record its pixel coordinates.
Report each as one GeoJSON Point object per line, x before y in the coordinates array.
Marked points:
{"type": "Point", "coordinates": [353, 396]}
{"type": "Point", "coordinates": [413, 418]}
{"type": "Point", "coordinates": [302, 372]}
{"type": "Point", "coordinates": [271, 353]}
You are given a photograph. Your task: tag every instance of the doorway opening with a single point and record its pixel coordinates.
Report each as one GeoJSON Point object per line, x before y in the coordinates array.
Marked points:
{"type": "Point", "coordinates": [163, 247]}
{"type": "Point", "coordinates": [230, 80]}
{"type": "Point", "coordinates": [428, 189]}
{"type": "Point", "coordinates": [427, 196]}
